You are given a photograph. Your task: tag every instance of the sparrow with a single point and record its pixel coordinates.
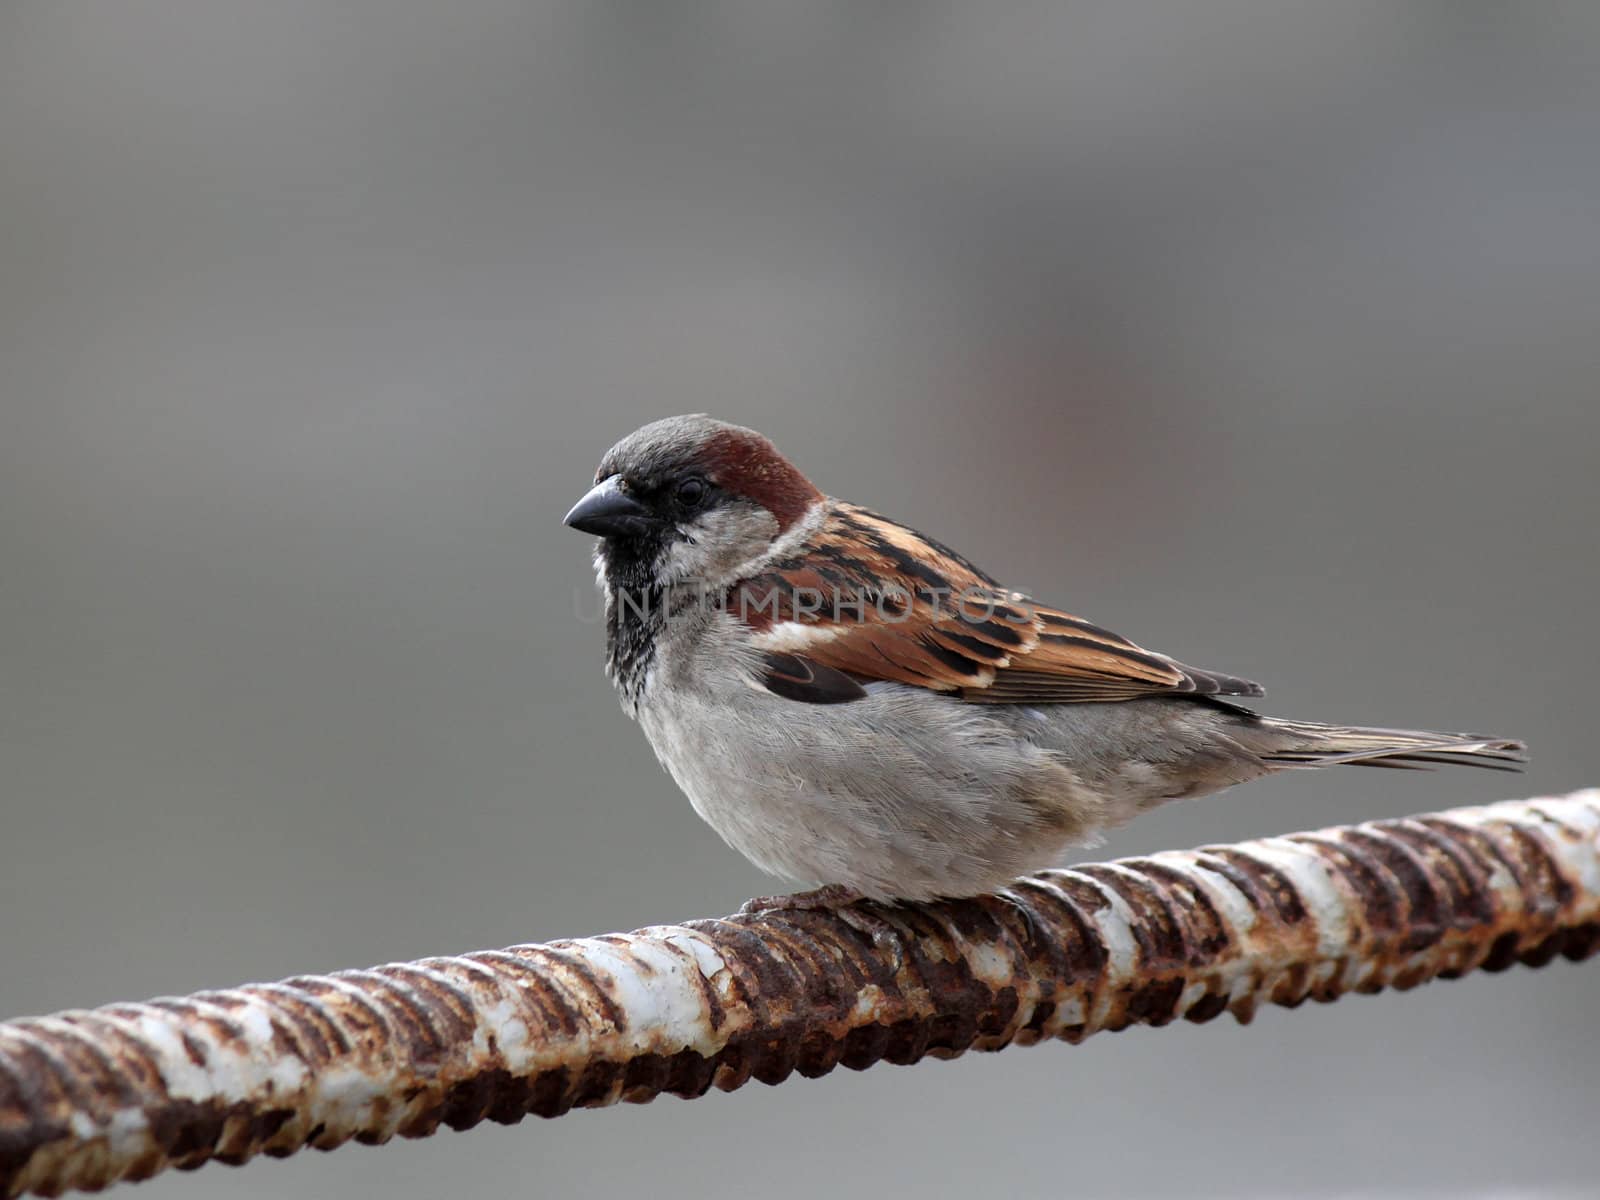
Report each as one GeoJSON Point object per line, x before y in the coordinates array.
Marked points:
{"type": "Point", "coordinates": [853, 705]}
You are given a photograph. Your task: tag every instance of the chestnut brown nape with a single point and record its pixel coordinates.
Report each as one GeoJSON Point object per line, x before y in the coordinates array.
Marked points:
{"type": "Point", "coordinates": [745, 463]}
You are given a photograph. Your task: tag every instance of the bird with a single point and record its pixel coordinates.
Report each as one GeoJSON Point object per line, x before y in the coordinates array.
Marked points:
{"type": "Point", "coordinates": [855, 706]}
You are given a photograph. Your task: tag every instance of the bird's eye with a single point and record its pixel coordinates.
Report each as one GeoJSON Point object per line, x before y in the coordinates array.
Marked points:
{"type": "Point", "coordinates": [692, 491]}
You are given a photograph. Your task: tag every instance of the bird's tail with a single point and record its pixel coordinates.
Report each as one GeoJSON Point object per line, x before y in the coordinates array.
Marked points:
{"type": "Point", "coordinates": [1289, 744]}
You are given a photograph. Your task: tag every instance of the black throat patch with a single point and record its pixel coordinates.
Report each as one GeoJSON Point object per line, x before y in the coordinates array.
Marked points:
{"type": "Point", "coordinates": [635, 611]}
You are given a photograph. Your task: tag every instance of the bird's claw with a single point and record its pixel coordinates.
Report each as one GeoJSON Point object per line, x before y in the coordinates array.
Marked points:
{"type": "Point", "coordinates": [834, 895]}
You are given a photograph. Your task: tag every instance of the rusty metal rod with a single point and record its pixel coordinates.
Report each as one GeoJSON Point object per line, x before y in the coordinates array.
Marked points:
{"type": "Point", "coordinates": [125, 1091]}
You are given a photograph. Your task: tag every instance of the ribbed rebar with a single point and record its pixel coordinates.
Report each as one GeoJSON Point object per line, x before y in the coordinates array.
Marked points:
{"type": "Point", "coordinates": [125, 1091]}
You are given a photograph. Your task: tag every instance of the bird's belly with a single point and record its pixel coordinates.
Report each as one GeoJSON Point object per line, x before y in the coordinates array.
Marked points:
{"type": "Point", "coordinates": [752, 790]}
{"type": "Point", "coordinates": [903, 794]}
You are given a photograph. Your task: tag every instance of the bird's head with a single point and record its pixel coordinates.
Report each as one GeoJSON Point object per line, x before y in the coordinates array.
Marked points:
{"type": "Point", "coordinates": [691, 500]}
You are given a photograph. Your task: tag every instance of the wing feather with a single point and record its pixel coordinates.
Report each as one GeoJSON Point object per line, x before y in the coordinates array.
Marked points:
{"type": "Point", "coordinates": [876, 600]}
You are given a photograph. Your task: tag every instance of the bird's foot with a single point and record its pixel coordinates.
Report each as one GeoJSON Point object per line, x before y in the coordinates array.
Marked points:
{"type": "Point", "coordinates": [834, 895]}
{"type": "Point", "coordinates": [1030, 925]}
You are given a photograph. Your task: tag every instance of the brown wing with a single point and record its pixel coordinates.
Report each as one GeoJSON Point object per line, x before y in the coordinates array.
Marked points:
{"type": "Point", "coordinates": [878, 601]}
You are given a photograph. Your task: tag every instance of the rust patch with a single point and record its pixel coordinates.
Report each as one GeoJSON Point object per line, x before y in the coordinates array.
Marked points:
{"type": "Point", "coordinates": [1423, 924]}
{"type": "Point", "coordinates": [1267, 887]}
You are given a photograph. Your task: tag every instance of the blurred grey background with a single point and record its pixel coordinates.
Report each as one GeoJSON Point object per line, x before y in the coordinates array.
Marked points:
{"type": "Point", "coordinates": [1265, 333]}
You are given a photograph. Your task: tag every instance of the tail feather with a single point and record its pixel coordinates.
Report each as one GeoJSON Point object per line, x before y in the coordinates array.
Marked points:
{"type": "Point", "coordinates": [1291, 744]}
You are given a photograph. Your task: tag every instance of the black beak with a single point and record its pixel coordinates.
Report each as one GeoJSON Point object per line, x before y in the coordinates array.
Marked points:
{"type": "Point", "coordinates": [608, 511]}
